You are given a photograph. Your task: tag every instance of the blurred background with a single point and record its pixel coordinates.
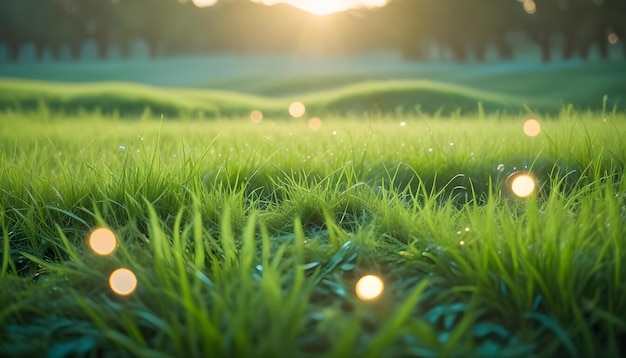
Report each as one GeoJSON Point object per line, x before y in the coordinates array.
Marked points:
{"type": "Point", "coordinates": [561, 51]}
{"type": "Point", "coordinates": [418, 30]}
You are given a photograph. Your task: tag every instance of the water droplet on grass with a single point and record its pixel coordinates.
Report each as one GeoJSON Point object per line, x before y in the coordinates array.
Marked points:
{"type": "Point", "coordinates": [122, 148]}
{"type": "Point", "coordinates": [500, 167]}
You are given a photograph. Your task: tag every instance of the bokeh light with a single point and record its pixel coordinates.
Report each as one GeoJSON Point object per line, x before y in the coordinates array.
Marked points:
{"type": "Point", "coordinates": [369, 287]}
{"type": "Point", "coordinates": [530, 6]}
{"type": "Point", "coordinates": [613, 38]}
{"type": "Point", "coordinates": [315, 124]}
{"type": "Point", "coordinates": [123, 281]}
{"type": "Point", "coordinates": [256, 116]}
{"type": "Point", "coordinates": [102, 241]}
{"type": "Point", "coordinates": [297, 109]}
{"type": "Point", "coordinates": [532, 128]}
{"type": "Point", "coordinates": [523, 185]}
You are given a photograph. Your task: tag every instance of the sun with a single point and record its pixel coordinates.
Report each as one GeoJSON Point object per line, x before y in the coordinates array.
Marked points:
{"type": "Point", "coordinates": [326, 7]}
{"type": "Point", "coordinates": [317, 7]}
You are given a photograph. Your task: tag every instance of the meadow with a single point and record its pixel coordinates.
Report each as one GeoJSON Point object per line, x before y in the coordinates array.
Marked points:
{"type": "Point", "coordinates": [248, 239]}
{"type": "Point", "coordinates": [231, 86]}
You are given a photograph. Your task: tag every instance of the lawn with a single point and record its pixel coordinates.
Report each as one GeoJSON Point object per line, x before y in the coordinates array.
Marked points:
{"type": "Point", "coordinates": [248, 239]}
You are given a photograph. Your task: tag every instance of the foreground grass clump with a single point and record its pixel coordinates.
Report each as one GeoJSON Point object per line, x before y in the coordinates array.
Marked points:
{"type": "Point", "coordinates": [248, 239]}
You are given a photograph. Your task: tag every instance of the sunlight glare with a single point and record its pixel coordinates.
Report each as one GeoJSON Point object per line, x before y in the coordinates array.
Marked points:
{"type": "Point", "coordinates": [326, 7]}
{"type": "Point", "coordinates": [523, 185]}
{"type": "Point", "coordinates": [256, 116]}
{"type": "Point", "coordinates": [102, 241]}
{"type": "Point", "coordinates": [296, 109]}
{"type": "Point", "coordinates": [369, 287]}
{"type": "Point", "coordinates": [123, 281]}
{"type": "Point", "coordinates": [203, 3]}
{"type": "Point", "coordinates": [532, 128]}
{"type": "Point", "coordinates": [315, 124]}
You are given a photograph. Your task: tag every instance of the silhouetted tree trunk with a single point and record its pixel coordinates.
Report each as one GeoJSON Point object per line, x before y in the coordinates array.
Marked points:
{"type": "Point", "coordinates": [13, 51]}
{"type": "Point", "coordinates": [505, 50]}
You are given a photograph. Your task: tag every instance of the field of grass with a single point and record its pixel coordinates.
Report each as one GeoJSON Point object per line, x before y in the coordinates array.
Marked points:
{"type": "Point", "coordinates": [224, 86]}
{"type": "Point", "coordinates": [248, 239]}
{"type": "Point", "coordinates": [132, 100]}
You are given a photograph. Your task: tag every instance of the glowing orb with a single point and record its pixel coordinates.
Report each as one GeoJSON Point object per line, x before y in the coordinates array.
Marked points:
{"type": "Point", "coordinates": [102, 241]}
{"type": "Point", "coordinates": [523, 185]}
{"type": "Point", "coordinates": [256, 116]}
{"type": "Point", "coordinates": [315, 124]}
{"type": "Point", "coordinates": [123, 281]}
{"type": "Point", "coordinates": [532, 128]}
{"type": "Point", "coordinates": [530, 6]}
{"type": "Point", "coordinates": [369, 287]}
{"type": "Point", "coordinates": [613, 38]}
{"type": "Point", "coordinates": [296, 109]}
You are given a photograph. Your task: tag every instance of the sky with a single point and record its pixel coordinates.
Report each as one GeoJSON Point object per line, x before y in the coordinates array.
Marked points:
{"type": "Point", "coordinates": [318, 7]}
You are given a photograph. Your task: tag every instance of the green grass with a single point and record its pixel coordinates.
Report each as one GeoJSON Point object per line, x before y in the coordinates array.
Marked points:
{"type": "Point", "coordinates": [377, 97]}
{"type": "Point", "coordinates": [247, 239]}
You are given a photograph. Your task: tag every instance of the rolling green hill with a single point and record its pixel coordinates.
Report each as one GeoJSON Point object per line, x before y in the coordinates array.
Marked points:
{"type": "Point", "coordinates": [373, 97]}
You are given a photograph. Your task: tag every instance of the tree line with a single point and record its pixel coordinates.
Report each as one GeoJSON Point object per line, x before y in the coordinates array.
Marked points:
{"type": "Point", "coordinates": [462, 28]}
